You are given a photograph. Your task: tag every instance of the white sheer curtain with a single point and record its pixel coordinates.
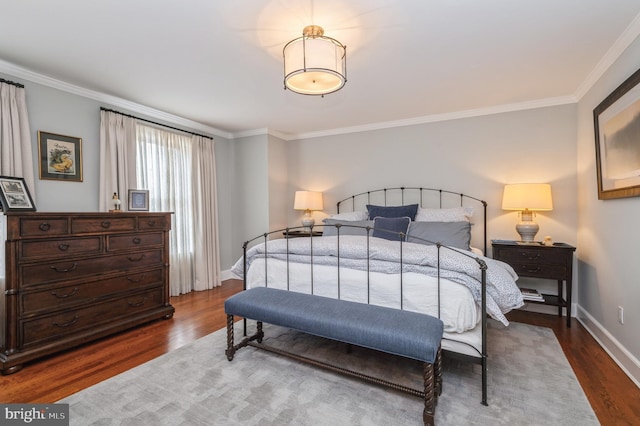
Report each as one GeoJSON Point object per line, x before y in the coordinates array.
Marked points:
{"type": "Point", "coordinates": [16, 157]}
{"type": "Point", "coordinates": [205, 198]}
{"type": "Point", "coordinates": [179, 172]}
{"type": "Point", "coordinates": [117, 157]}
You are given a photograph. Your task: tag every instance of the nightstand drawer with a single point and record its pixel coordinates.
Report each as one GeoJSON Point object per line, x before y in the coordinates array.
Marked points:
{"type": "Point", "coordinates": [529, 255]}
{"type": "Point", "coordinates": [539, 270]}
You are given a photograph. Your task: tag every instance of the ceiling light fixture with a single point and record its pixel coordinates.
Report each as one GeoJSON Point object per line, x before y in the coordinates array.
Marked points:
{"type": "Point", "coordinates": [314, 64]}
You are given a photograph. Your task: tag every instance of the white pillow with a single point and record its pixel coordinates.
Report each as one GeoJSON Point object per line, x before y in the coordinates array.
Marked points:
{"type": "Point", "coordinates": [455, 214]}
{"type": "Point", "coordinates": [350, 216]}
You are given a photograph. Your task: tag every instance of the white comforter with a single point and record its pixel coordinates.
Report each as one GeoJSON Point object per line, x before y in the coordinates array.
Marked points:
{"type": "Point", "coordinates": [384, 256]}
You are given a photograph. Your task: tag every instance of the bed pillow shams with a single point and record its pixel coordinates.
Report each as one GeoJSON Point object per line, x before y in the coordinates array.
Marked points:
{"type": "Point", "coordinates": [409, 211]}
{"type": "Point", "coordinates": [453, 234]}
{"type": "Point", "coordinates": [389, 228]}
{"type": "Point", "coordinates": [454, 214]}
{"type": "Point", "coordinates": [330, 230]}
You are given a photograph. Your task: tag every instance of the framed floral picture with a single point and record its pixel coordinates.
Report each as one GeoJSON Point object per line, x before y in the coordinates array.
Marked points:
{"type": "Point", "coordinates": [14, 195]}
{"type": "Point", "coordinates": [617, 134]}
{"type": "Point", "coordinates": [60, 157]}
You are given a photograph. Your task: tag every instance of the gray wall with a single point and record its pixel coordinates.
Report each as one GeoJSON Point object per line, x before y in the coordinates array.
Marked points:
{"type": "Point", "coordinates": [608, 236]}
{"type": "Point", "coordinates": [476, 156]}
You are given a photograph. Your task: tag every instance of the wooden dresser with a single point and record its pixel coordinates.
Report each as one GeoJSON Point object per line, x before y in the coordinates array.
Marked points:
{"type": "Point", "coordinates": [70, 278]}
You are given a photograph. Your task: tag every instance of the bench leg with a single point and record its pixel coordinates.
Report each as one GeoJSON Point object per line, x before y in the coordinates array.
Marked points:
{"type": "Point", "coordinates": [438, 374]}
{"type": "Point", "coordinates": [231, 348]}
{"type": "Point", "coordinates": [429, 395]}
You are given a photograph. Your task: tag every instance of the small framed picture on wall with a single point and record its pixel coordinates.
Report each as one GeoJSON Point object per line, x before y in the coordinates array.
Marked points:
{"type": "Point", "coordinates": [60, 157]}
{"type": "Point", "coordinates": [138, 200]}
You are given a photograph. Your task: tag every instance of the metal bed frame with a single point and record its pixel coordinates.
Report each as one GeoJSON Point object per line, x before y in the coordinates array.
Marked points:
{"type": "Point", "coordinates": [381, 197]}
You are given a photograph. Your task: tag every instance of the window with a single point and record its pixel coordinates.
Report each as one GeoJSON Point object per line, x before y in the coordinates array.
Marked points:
{"type": "Point", "coordinates": [163, 166]}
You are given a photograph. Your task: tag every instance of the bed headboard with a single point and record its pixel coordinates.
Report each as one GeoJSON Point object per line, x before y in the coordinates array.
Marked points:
{"type": "Point", "coordinates": [425, 198]}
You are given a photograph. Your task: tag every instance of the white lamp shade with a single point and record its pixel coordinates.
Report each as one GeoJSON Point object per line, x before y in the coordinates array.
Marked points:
{"type": "Point", "coordinates": [308, 200]}
{"type": "Point", "coordinates": [527, 196]}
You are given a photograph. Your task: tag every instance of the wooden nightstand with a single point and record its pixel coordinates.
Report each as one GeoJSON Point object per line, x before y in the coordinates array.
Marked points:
{"type": "Point", "coordinates": [298, 234]}
{"type": "Point", "coordinates": [539, 261]}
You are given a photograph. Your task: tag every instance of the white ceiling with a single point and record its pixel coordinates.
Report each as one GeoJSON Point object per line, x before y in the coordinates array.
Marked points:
{"type": "Point", "coordinates": [219, 63]}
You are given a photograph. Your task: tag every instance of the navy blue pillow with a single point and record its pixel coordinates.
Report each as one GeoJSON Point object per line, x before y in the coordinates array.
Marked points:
{"type": "Point", "coordinates": [390, 227]}
{"type": "Point", "coordinates": [409, 211]}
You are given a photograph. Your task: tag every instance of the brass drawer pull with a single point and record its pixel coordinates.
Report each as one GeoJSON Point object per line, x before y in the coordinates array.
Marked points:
{"type": "Point", "coordinates": [530, 256]}
{"type": "Point", "coordinates": [137, 281]}
{"type": "Point", "coordinates": [63, 247]}
{"type": "Point", "coordinates": [137, 240]}
{"type": "Point", "coordinates": [62, 296]}
{"type": "Point", "coordinates": [134, 305]}
{"type": "Point", "coordinates": [131, 259]}
{"type": "Point", "coordinates": [151, 223]}
{"type": "Point", "coordinates": [105, 224]}
{"type": "Point", "coordinates": [44, 226]}
{"type": "Point", "coordinates": [74, 266]}
{"type": "Point", "coordinates": [67, 324]}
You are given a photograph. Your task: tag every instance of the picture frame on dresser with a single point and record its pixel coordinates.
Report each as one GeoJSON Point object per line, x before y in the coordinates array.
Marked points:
{"type": "Point", "coordinates": [14, 195]}
{"type": "Point", "coordinates": [138, 200]}
{"type": "Point", "coordinates": [59, 157]}
{"type": "Point", "coordinates": [617, 123]}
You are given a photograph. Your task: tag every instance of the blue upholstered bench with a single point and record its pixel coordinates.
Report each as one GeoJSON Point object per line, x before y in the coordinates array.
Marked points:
{"type": "Point", "coordinates": [404, 333]}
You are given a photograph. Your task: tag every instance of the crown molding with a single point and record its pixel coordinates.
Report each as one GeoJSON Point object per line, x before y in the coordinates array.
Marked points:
{"type": "Point", "coordinates": [23, 73]}
{"type": "Point", "coordinates": [629, 35]}
{"type": "Point", "coordinates": [499, 109]}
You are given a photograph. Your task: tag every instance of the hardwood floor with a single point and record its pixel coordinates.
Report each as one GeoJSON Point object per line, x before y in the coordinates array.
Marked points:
{"type": "Point", "coordinates": [613, 396]}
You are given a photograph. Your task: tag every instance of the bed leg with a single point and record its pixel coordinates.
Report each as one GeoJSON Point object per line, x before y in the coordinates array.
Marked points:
{"type": "Point", "coordinates": [484, 380]}
{"type": "Point", "coordinates": [438, 374]}
{"type": "Point", "coordinates": [230, 352]}
{"type": "Point", "coordinates": [429, 395]}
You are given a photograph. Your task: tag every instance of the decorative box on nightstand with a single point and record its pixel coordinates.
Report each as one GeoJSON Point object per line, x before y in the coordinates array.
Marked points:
{"type": "Point", "coordinates": [539, 261]}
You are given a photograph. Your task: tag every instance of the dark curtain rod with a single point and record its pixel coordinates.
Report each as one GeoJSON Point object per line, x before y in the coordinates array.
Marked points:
{"type": "Point", "coordinates": [156, 123]}
{"type": "Point", "coordinates": [2, 80]}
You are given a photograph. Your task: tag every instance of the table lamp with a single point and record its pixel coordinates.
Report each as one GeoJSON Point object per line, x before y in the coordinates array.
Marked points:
{"type": "Point", "coordinates": [308, 201]}
{"type": "Point", "coordinates": [527, 198]}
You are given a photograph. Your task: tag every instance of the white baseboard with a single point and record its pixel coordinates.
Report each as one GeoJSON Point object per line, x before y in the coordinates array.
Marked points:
{"type": "Point", "coordinates": [625, 360]}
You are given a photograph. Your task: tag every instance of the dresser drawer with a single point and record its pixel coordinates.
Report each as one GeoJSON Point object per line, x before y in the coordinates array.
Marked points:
{"type": "Point", "coordinates": [528, 255]}
{"type": "Point", "coordinates": [103, 224]}
{"type": "Point", "coordinates": [72, 295]}
{"type": "Point", "coordinates": [51, 327]}
{"type": "Point", "coordinates": [41, 227]}
{"type": "Point", "coordinates": [58, 247]}
{"type": "Point", "coordinates": [63, 270]}
{"type": "Point", "coordinates": [146, 223]}
{"type": "Point", "coordinates": [132, 241]}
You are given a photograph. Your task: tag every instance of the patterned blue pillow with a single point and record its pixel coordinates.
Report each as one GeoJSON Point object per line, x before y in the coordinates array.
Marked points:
{"type": "Point", "coordinates": [409, 211]}
{"type": "Point", "coordinates": [389, 228]}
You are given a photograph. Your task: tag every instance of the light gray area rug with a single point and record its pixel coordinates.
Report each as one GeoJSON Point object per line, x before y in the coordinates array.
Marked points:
{"type": "Point", "coordinates": [530, 383]}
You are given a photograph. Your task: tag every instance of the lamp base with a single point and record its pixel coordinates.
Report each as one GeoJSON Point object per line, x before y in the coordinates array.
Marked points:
{"type": "Point", "coordinates": [307, 220]}
{"type": "Point", "coordinates": [527, 231]}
